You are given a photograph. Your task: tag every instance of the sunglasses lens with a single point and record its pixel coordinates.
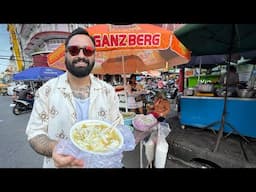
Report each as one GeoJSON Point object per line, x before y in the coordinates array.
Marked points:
{"type": "Point", "coordinates": [87, 51]}
{"type": "Point", "coordinates": [73, 50]}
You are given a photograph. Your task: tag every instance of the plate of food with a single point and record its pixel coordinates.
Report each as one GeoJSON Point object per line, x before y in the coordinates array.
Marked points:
{"type": "Point", "coordinates": [97, 137]}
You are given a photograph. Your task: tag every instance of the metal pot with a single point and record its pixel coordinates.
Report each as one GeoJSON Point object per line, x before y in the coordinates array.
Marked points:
{"type": "Point", "coordinates": [246, 93]}
{"type": "Point", "coordinates": [189, 92]}
{"type": "Point", "coordinates": [207, 88]}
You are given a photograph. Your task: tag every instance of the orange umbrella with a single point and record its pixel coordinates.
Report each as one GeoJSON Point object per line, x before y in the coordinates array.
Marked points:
{"type": "Point", "coordinates": [125, 63]}
{"type": "Point", "coordinates": [123, 49]}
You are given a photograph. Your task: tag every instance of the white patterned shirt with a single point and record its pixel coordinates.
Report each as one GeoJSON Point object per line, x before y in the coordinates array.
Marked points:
{"type": "Point", "coordinates": [54, 111]}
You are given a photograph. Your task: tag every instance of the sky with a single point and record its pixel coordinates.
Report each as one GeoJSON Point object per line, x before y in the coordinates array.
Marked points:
{"type": "Point", "coordinates": [5, 51]}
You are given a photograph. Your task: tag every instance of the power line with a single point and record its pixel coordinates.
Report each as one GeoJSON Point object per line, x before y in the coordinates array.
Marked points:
{"type": "Point", "coordinates": [15, 59]}
{"type": "Point", "coordinates": [5, 50]}
{"type": "Point", "coordinates": [38, 62]}
{"type": "Point", "coordinates": [4, 64]}
{"type": "Point", "coordinates": [4, 56]}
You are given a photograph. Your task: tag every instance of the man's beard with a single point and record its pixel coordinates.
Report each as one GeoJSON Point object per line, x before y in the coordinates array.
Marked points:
{"type": "Point", "coordinates": [79, 71]}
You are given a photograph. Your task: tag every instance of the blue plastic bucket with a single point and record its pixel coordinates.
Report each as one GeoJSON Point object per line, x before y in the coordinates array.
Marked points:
{"type": "Point", "coordinates": [128, 121]}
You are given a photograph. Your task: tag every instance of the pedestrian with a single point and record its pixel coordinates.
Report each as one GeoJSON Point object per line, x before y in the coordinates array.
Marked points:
{"type": "Point", "coordinates": [135, 97]}
{"type": "Point", "coordinates": [73, 96]}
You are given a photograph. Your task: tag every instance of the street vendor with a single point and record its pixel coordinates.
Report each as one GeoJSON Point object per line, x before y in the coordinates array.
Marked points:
{"type": "Point", "coordinates": [232, 81]}
{"type": "Point", "coordinates": [134, 90]}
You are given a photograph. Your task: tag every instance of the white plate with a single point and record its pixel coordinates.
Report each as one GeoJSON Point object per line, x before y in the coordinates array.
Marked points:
{"type": "Point", "coordinates": [101, 143]}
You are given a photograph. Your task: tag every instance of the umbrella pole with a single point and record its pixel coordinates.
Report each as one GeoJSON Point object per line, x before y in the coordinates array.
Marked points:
{"type": "Point", "coordinates": [200, 67]}
{"type": "Point", "coordinates": [223, 122]}
{"type": "Point", "coordinates": [220, 133]}
{"type": "Point", "coordinates": [125, 90]}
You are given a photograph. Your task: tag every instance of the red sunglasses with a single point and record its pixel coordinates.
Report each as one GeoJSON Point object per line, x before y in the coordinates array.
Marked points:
{"type": "Point", "coordinates": [75, 50]}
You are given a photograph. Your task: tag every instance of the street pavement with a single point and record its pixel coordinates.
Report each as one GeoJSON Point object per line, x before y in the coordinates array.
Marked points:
{"type": "Point", "coordinates": [192, 143]}
{"type": "Point", "coordinates": [15, 151]}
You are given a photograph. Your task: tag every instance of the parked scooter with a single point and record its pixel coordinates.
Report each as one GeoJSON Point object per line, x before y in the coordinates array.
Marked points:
{"type": "Point", "coordinates": [22, 106]}
{"type": "Point", "coordinates": [22, 102]}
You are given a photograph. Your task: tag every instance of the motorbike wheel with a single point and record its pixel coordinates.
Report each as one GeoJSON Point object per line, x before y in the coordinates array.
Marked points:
{"type": "Point", "coordinates": [16, 110]}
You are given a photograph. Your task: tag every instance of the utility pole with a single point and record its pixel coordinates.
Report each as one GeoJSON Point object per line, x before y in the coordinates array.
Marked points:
{"type": "Point", "coordinates": [16, 47]}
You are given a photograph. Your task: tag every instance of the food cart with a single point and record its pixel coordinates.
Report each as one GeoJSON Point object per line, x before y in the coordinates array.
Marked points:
{"type": "Point", "coordinates": [206, 112]}
{"type": "Point", "coordinates": [204, 107]}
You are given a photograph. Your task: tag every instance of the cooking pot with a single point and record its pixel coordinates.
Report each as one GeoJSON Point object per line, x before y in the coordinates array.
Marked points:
{"type": "Point", "coordinates": [189, 92]}
{"type": "Point", "coordinates": [207, 88]}
{"type": "Point", "coordinates": [246, 93]}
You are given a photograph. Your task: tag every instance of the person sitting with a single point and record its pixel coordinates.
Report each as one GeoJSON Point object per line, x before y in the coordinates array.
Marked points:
{"type": "Point", "coordinates": [160, 108]}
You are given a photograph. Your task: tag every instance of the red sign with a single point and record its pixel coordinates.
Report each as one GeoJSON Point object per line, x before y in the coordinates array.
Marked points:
{"type": "Point", "coordinates": [127, 40]}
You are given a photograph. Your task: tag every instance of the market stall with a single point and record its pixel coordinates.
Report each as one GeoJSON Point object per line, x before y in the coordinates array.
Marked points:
{"type": "Point", "coordinates": [231, 39]}
{"type": "Point", "coordinates": [203, 107]}
{"type": "Point", "coordinates": [206, 112]}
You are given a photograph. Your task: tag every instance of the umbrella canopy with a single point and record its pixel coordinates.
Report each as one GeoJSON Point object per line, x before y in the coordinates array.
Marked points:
{"type": "Point", "coordinates": [206, 61]}
{"type": "Point", "coordinates": [214, 39]}
{"type": "Point", "coordinates": [37, 74]}
{"type": "Point", "coordinates": [121, 62]}
{"type": "Point", "coordinates": [130, 49]}
{"type": "Point", "coordinates": [210, 61]}
{"type": "Point", "coordinates": [131, 64]}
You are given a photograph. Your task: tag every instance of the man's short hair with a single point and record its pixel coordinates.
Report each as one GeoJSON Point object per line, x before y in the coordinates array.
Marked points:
{"type": "Point", "coordinates": [79, 31]}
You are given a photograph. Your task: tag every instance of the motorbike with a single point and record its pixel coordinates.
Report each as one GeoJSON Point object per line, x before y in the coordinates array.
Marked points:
{"type": "Point", "coordinates": [22, 106]}
{"type": "Point", "coordinates": [22, 102]}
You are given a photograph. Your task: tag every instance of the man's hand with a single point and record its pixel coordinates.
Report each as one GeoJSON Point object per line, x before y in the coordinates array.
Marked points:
{"type": "Point", "coordinates": [66, 161]}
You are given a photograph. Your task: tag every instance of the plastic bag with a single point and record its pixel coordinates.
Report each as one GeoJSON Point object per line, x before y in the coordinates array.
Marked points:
{"type": "Point", "coordinates": [161, 153]}
{"type": "Point", "coordinates": [144, 122]}
{"type": "Point", "coordinates": [150, 146]}
{"type": "Point", "coordinates": [66, 147]}
{"type": "Point", "coordinates": [164, 129]}
{"type": "Point", "coordinates": [161, 145]}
